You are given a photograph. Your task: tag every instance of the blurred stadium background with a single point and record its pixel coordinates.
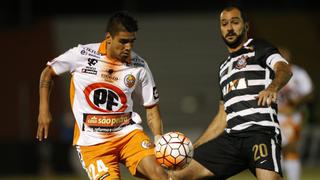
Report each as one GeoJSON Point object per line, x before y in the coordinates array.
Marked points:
{"type": "Point", "coordinates": [181, 42]}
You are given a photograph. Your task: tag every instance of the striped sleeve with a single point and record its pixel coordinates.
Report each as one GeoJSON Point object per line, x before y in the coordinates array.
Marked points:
{"type": "Point", "coordinates": [267, 54]}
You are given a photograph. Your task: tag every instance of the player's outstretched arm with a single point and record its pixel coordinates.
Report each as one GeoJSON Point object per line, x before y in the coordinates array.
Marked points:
{"type": "Point", "coordinates": [215, 128]}
{"type": "Point", "coordinates": [154, 121]}
{"type": "Point", "coordinates": [44, 117]}
{"type": "Point", "coordinates": [282, 76]}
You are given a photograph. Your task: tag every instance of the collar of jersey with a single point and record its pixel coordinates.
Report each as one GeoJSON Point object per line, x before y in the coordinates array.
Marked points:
{"type": "Point", "coordinates": [242, 50]}
{"type": "Point", "coordinates": [103, 47]}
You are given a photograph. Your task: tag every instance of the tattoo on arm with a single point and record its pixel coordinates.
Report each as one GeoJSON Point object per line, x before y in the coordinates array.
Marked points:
{"type": "Point", "coordinates": [45, 84]}
{"type": "Point", "coordinates": [46, 78]}
{"type": "Point", "coordinates": [150, 116]}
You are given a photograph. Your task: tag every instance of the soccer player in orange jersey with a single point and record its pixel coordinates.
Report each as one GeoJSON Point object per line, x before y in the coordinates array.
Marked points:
{"type": "Point", "coordinates": [292, 100]}
{"type": "Point", "coordinates": [104, 77]}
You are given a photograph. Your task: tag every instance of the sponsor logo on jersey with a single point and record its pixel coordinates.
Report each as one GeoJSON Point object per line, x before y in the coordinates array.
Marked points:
{"type": "Point", "coordinates": [129, 80]}
{"type": "Point", "coordinates": [107, 120]}
{"type": "Point", "coordinates": [93, 55]}
{"type": "Point", "coordinates": [234, 85]}
{"type": "Point", "coordinates": [86, 52]}
{"type": "Point", "coordinates": [92, 51]}
{"type": "Point", "coordinates": [89, 70]}
{"type": "Point", "coordinates": [241, 62]}
{"type": "Point", "coordinates": [109, 77]}
{"type": "Point", "coordinates": [105, 97]}
{"type": "Point", "coordinates": [155, 93]}
{"type": "Point", "coordinates": [83, 52]}
{"type": "Point", "coordinates": [92, 62]}
{"type": "Point", "coordinates": [146, 144]}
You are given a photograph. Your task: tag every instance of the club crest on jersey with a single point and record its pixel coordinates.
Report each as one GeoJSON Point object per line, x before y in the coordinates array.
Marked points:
{"type": "Point", "coordinates": [129, 80]}
{"type": "Point", "coordinates": [241, 62]}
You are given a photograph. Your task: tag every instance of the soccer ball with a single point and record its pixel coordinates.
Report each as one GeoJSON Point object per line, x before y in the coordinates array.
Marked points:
{"type": "Point", "coordinates": [174, 150]}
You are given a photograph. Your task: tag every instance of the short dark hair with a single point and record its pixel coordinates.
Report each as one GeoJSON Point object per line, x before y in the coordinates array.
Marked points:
{"type": "Point", "coordinates": [243, 14]}
{"type": "Point", "coordinates": [121, 21]}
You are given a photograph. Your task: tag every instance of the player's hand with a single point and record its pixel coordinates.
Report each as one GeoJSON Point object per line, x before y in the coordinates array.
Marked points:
{"type": "Point", "coordinates": [267, 96]}
{"type": "Point", "coordinates": [44, 120]}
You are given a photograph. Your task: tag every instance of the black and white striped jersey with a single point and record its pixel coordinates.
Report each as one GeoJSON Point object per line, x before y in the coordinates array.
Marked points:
{"type": "Point", "coordinates": [243, 75]}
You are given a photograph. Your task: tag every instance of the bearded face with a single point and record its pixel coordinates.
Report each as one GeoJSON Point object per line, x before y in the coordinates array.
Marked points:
{"type": "Point", "coordinates": [233, 40]}
{"type": "Point", "coordinates": [232, 28]}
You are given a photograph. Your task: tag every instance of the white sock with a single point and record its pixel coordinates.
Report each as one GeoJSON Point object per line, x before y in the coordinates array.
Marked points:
{"type": "Point", "coordinates": [292, 168]}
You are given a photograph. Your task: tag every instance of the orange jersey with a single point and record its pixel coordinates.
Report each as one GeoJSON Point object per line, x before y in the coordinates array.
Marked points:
{"type": "Point", "coordinates": [101, 92]}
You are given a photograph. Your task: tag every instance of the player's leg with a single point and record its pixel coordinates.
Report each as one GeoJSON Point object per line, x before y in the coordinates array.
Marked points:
{"type": "Point", "coordinates": [149, 168]}
{"type": "Point", "coordinates": [264, 152]}
{"type": "Point", "coordinates": [292, 169]}
{"type": "Point", "coordinates": [290, 128]}
{"type": "Point", "coordinates": [138, 156]}
{"type": "Point", "coordinates": [193, 171]}
{"type": "Point", "coordinates": [217, 159]}
{"type": "Point", "coordinates": [263, 174]}
{"type": "Point", "coordinates": [99, 162]}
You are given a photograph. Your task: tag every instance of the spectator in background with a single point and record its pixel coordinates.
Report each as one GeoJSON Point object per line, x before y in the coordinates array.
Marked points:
{"type": "Point", "coordinates": [292, 99]}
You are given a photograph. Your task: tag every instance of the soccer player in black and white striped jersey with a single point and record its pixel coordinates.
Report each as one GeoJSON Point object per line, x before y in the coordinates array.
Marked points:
{"type": "Point", "coordinates": [245, 133]}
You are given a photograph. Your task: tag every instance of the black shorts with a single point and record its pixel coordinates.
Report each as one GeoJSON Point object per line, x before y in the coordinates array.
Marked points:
{"type": "Point", "coordinates": [228, 155]}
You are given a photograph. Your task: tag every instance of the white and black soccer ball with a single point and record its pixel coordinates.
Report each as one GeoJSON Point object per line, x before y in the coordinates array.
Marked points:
{"type": "Point", "coordinates": [174, 150]}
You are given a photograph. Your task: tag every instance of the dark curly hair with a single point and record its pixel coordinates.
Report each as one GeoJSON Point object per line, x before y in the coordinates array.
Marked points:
{"type": "Point", "coordinates": [121, 21]}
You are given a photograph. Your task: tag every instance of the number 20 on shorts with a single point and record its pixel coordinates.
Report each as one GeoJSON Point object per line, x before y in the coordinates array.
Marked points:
{"type": "Point", "coordinates": [259, 151]}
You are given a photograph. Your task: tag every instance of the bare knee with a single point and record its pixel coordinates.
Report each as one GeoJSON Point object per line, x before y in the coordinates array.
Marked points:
{"type": "Point", "coordinates": [263, 174]}
{"type": "Point", "coordinates": [150, 169]}
{"type": "Point", "coordinates": [159, 172]}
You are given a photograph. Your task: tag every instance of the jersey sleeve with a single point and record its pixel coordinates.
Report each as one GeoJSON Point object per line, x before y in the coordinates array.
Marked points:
{"type": "Point", "coordinates": [267, 54]}
{"type": "Point", "coordinates": [147, 89]}
{"type": "Point", "coordinates": [65, 62]}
